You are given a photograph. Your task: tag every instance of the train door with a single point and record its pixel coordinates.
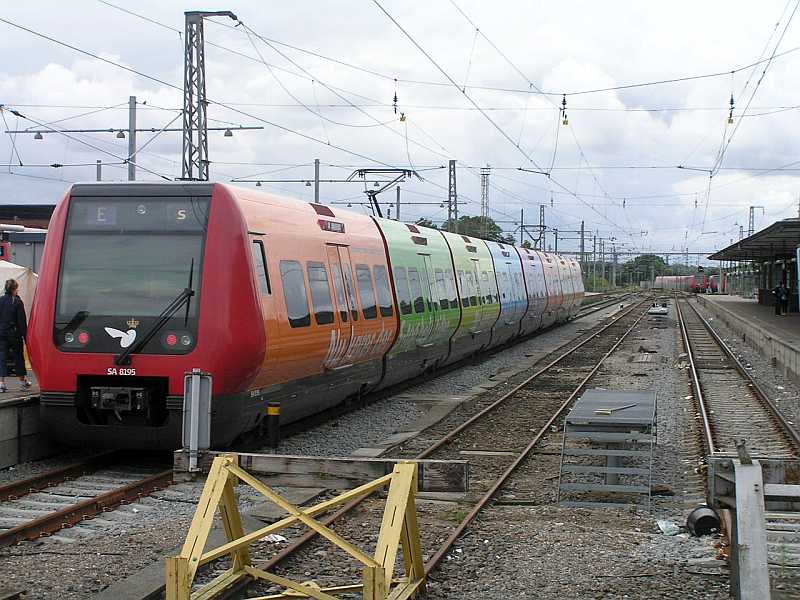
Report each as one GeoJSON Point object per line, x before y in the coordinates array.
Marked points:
{"type": "Point", "coordinates": [514, 294]}
{"type": "Point", "coordinates": [342, 334]}
{"type": "Point", "coordinates": [477, 299]}
{"type": "Point", "coordinates": [421, 300]}
{"type": "Point", "coordinates": [435, 316]}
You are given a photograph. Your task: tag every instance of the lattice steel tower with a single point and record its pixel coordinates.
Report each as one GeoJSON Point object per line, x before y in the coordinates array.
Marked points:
{"type": "Point", "coordinates": [452, 200]}
{"type": "Point", "coordinates": [484, 199]}
{"type": "Point", "coordinates": [195, 124]}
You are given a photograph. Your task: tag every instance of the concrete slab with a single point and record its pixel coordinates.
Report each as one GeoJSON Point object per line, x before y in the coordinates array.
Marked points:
{"type": "Point", "coordinates": [447, 496]}
{"type": "Point", "coordinates": [269, 512]}
{"type": "Point", "coordinates": [368, 452]}
{"type": "Point", "coordinates": [434, 408]}
{"type": "Point", "coordinates": [487, 453]}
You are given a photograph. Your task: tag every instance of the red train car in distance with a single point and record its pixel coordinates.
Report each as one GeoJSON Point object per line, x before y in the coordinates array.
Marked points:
{"type": "Point", "coordinates": [682, 283]}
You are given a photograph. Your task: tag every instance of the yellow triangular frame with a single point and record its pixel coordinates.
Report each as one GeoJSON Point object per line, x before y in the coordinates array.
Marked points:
{"type": "Point", "coordinates": [398, 530]}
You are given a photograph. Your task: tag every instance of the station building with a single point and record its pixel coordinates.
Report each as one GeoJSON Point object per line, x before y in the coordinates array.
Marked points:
{"type": "Point", "coordinates": [755, 265]}
{"type": "Point", "coordinates": [751, 268]}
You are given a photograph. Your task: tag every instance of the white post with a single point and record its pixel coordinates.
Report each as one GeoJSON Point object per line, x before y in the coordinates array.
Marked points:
{"type": "Point", "coordinates": [194, 426]}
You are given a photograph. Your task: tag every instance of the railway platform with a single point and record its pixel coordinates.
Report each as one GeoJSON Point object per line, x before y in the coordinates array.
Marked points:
{"type": "Point", "coordinates": [20, 436]}
{"type": "Point", "coordinates": [775, 337]}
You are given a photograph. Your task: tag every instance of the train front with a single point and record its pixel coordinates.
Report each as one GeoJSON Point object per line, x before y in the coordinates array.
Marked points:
{"type": "Point", "coordinates": [117, 318]}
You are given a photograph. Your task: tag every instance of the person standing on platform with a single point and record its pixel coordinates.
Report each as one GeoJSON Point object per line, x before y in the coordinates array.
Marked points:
{"type": "Point", "coordinates": [784, 296]}
{"type": "Point", "coordinates": [776, 295]}
{"type": "Point", "coordinates": [13, 329]}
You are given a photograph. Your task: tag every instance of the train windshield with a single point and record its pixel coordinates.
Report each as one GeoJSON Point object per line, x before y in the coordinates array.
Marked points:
{"type": "Point", "coordinates": [129, 258]}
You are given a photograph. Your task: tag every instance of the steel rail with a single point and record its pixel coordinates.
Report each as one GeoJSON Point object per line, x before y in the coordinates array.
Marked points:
{"type": "Point", "coordinates": [698, 390]}
{"type": "Point", "coordinates": [292, 548]}
{"type": "Point", "coordinates": [594, 307]}
{"type": "Point", "coordinates": [17, 489]}
{"type": "Point", "coordinates": [758, 391]}
{"type": "Point", "coordinates": [500, 481]}
{"type": "Point", "coordinates": [86, 509]}
{"type": "Point", "coordinates": [428, 451]}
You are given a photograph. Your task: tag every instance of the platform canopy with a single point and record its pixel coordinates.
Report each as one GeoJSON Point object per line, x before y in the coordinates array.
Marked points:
{"type": "Point", "coordinates": [776, 242]}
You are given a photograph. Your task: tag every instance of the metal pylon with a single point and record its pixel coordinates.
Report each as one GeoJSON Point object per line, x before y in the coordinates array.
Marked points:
{"type": "Point", "coordinates": [195, 104]}
{"type": "Point", "coordinates": [484, 199]}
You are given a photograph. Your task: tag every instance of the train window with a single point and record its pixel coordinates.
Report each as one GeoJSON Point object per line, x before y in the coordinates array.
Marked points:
{"type": "Point", "coordinates": [441, 289]}
{"type": "Point", "coordinates": [384, 290]}
{"type": "Point", "coordinates": [472, 285]}
{"type": "Point", "coordinates": [505, 284]}
{"type": "Point", "coordinates": [451, 288]}
{"type": "Point", "coordinates": [339, 287]}
{"type": "Point", "coordinates": [351, 294]}
{"type": "Point", "coordinates": [403, 293]}
{"type": "Point", "coordinates": [366, 292]}
{"type": "Point", "coordinates": [260, 262]}
{"type": "Point", "coordinates": [416, 291]}
{"type": "Point", "coordinates": [488, 297]}
{"type": "Point", "coordinates": [519, 288]}
{"type": "Point", "coordinates": [294, 292]}
{"type": "Point", "coordinates": [465, 297]}
{"type": "Point", "coordinates": [320, 293]}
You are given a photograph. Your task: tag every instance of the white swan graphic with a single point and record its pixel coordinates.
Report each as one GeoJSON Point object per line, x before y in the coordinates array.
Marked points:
{"type": "Point", "coordinates": [126, 338]}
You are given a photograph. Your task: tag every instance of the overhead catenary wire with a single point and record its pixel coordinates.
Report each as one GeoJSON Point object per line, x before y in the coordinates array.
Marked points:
{"type": "Point", "coordinates": [334, 91]}
{"type": "Point", "coordinates": [565, 167]}
{"type": "Point", "coordinates": [727, 143]}
{"type": "Point", "coordinates": [173, 86]}
{"type": "Point", "coordinates": [298, 100]}
{"type": "Point", "coordinates": [90, 145]}
{"type": "Point", "coordinates": [447, 76]}
{"type": "Point", "coordinates": [390, 77]}
{"type": "Point", "coordinates": [561, 112]}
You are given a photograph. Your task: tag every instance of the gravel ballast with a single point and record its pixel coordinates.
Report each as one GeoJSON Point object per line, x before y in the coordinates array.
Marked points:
{"type": "Point", "coordinates": [539, 551]}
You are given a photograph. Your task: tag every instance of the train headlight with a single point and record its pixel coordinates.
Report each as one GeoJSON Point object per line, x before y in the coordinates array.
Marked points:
{"type": "Point", "coordinates": [69, 337]}
{"type": "Point", "coordinates": [186, 340]}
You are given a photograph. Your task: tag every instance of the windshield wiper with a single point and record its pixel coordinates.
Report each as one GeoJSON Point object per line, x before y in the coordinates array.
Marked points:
{"type": "Point", "coordinates": [189, 300]}
{"type": "Point", "coordinates": [78, 318]}
{"type": "Point", "coordinates": [124, 357]}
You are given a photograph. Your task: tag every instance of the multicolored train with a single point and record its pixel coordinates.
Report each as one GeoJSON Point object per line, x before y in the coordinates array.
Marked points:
{"type": "Point", "coordinates": [682, 283]}
{"type": "Point", "coordinates": [280, 300]}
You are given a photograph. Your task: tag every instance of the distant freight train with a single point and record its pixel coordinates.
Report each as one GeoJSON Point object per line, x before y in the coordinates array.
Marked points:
{"type": "Point", "coordinates": [280, 300]}
{"type": "Point", "coordinates": [682, 283]}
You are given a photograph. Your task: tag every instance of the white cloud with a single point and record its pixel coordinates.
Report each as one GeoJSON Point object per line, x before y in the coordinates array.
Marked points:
{"type": "Point", "coordinates": [562, 47]}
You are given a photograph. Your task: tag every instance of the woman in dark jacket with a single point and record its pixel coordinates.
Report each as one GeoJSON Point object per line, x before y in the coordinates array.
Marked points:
{"type": "Point", "coordinates": [13, 329]}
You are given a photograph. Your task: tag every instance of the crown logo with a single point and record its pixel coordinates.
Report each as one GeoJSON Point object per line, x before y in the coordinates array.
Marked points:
{"type": "Point", "coordinates": [133, 323]}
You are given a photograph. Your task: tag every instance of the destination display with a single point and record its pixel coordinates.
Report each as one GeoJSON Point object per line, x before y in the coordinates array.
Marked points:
{"type": "Point", "coordinates": [142, 214]}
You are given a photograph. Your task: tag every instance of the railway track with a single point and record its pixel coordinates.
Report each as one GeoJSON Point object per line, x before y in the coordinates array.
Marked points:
{"type": "Point", "coordinates": [71, 497]}
{"type": "Point", "coordinates": [730, 402]}
{"type": "Point", "coordinates": [732, 406]}
{"type": "Point", "coordinates": [512, 424]}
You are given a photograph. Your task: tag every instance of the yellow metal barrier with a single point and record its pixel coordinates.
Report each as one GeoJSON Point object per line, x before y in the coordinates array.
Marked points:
{"type": "Point", "coordinates": [378, 582]}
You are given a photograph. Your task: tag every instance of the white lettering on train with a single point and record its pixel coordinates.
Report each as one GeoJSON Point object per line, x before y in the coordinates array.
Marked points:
{"type": "Point", "coordinates": [120, 371]}
{"type": "Point", "coordinates": [343, 350]}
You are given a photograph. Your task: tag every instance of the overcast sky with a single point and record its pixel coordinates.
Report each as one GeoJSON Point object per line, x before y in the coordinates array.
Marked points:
{"type": "Point", "coordinates": [522, 47]}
